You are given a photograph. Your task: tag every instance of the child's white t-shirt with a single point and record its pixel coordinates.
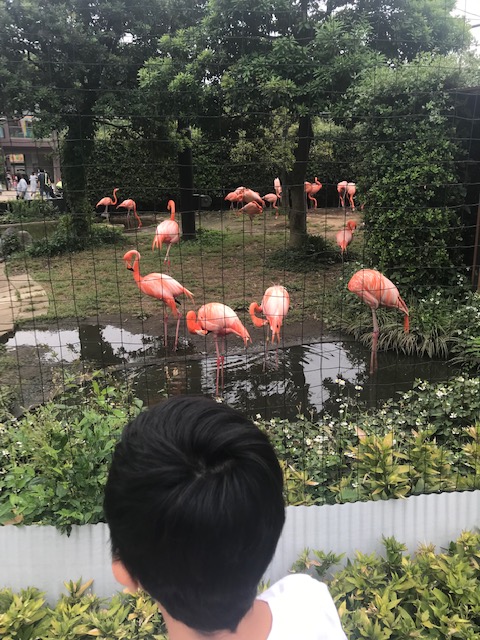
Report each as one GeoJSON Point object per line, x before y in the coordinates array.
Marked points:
{"type": "Point", "coordinates": [302, 609]}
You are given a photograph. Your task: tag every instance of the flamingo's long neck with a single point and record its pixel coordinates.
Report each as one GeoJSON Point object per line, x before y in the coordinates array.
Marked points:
{"type": "Point", "coordinates": [114, 201]}
{"type": "Point", "coordinates": [253, 309]}
{"type": "Point", "coordinates": [136, 271]}
{"type": "Point", "coordinates": [171, 207]}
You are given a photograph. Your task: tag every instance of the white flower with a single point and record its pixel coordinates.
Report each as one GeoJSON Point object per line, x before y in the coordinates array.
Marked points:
{"type": "Point", "coordinates": [453, 416]}
{"type": "Point", "coordinates": [308, 442]}
{"type": "Point", "coordinates": [340, 381]}
{"type": "Point", "coordinates": [358, 387]}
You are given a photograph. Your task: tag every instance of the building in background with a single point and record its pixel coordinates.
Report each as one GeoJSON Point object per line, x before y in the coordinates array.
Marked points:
{"type": "Point", "coordinates": [23, 153]}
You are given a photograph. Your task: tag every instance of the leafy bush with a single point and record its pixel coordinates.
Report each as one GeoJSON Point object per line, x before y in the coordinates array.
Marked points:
{"type": "Point", "coordinates": [394, 597]}
{"type": "Point", "coordinates": [426, 441]}
{"type": "Point", "coordinates": [54, 462]}
{"type": "Point", "coordinates": [10, 243]}
{"type": "Point", "coordinates": [410, 154]}
{"type": "Point", "coordinates": [66, 240]}
{"type": "Point", "coordinates": [29, 210]}
{"type": "Point", "coordinates": [429, 595]}
{"type": "Point", "coordinates": [79, 615]}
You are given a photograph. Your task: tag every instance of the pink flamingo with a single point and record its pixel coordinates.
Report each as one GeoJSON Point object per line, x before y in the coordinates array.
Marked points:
{"type": "Point", "coordinates": [159, 286]}
{"type": "Point", "coordinates": [252, 209]}
{"type": "Point", "coordinates": [351, 190]}
{"type": "Point", "coordinates": [277, 186]}
{"type": "Point", "coordinates": [377, 291]}
{"type": "Point", "coordinates": [345, 236]}
{"type": "Point", "coordinates": [232, 197]}
{"type": "Point", "coordinates": [275, 305]}
{"type": "Point", "coordinates": [220, 320]}
{"type": "Point", "coordinates": [167, 232]}
{"type": "Point", "coordinates": [272, 199]}
{"type": "Point", "coordinates": [248, 195]}
{"type": "Point", "coordinates": [311, 188]}
{"type": "Point", "coordinates": [108, 202]}
{"type": "Point", "coordinates": [342, 192]}
{"type": "Point", "coordinates": [130, 205]}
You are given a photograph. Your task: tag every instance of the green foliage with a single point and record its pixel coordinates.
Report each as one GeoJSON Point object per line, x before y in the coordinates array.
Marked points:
{"type": "Point", "coordinates": [65, 238]}
{"type": "Point", "coordinates": [316, 253]}
{"type": "Point", "coordinates": [10, 243]}
{"type": "Point", "coordinates": [421, 443]}
{"type": "Point", "coordinates": [429, 595]}
{"type": "Point", "coordinates": [410, 153]}
{"type": "Point", "coordinates": [29, 211]}
{"type": "Point", "coordinates": [54, 461]}
{"type": "Point", "coordinates": [79, 615]}
{"type": "Point", "coordinates": [390, 597]}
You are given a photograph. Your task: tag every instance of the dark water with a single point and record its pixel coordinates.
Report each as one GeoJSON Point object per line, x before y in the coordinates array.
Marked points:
{"type": "Point", "coordinates": [309, 378]}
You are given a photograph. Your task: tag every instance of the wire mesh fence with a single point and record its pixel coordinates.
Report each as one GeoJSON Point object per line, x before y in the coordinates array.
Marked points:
{"type": "Point", "coordinates": [299, 147]}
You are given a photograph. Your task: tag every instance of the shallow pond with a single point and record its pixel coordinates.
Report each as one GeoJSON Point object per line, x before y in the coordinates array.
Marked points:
{"type": "Point", "coordinates": [309, 377]}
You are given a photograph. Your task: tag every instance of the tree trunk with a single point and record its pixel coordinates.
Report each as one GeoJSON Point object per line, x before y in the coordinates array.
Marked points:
{"type": "Point", "coordinates": [76, 154]}
{"type": "Point", "coordinates": [185, 179]}
{"type": "Point", "coordinates": [296, 191]}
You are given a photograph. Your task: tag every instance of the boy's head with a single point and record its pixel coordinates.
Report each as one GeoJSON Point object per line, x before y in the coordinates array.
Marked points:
{"type": "Point", "coordinates": [195, 508]}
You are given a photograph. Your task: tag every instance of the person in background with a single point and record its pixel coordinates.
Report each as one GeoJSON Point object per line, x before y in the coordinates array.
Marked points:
{"type": "Point", "coordinates": [42, 180]}
{"type": "Point", "coordinates": [33, 185]}
{"type": "Point", "coordinates": [194, 503]}
{"type": "Point", "coordinates": [22, 186]}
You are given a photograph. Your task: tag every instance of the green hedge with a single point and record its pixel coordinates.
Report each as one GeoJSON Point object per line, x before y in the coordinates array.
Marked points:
{"type": "Point", "coordinates": [429, 595]}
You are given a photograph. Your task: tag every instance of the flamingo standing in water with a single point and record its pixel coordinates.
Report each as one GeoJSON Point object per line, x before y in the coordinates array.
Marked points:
{"type": "Point", "coordinates": [377, 291]}
{"type": "Point", "coordinates": [351, 190]}
{"type": "Point", "coordinates": [160, 286]}
{"type": "Point", "coordinates": [277, 186]}
{"type": "Point", "coordinates": [252, 209]}
{"type": "Point", "coordinates": [311, 188]}
{"type": "Point", "coordinates": [342, 192]}
{"type": "Point", "coordinates": [275, 305]}
{"type": "Point", "coordinates": [220, 320]}
{"type": "Point", "coordinates": [272, 199]}
{"type": "Point", "coordinates": [130, 205]}
{"type": "Point", "coordinates": [345, 235]}
{"type": "Point", "coordinates": [167, 232]}
{"type": "Point", "coordinates": [108, 202]}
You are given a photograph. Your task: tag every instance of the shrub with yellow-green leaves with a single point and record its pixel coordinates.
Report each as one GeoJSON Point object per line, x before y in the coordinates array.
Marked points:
{"type": "Point", "coordinates": [429, 596]}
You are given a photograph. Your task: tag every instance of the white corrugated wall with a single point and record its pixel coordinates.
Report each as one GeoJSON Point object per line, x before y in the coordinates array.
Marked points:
{"type": "Point", "coordinates": [42, 557]}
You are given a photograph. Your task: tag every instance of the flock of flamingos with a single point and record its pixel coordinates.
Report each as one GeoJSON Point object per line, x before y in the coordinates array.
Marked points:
{"type": "Point", "coordinates": [369, 285]}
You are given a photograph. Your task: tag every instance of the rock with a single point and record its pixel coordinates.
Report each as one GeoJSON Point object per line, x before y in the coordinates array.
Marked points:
{"type": "Point", "coordinates": [14, 239]}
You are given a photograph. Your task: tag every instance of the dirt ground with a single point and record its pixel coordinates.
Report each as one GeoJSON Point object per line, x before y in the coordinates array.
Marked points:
{"type": "Point", "coordinates": [38, 376]}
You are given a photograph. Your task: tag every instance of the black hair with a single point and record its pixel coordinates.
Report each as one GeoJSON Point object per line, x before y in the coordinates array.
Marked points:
{"type": "Point", "coordinates": [194, 502]}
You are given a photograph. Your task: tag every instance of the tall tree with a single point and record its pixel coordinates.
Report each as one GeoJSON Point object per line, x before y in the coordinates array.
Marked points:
{"type": "Point", "coordinates": [302, 56]}
{"type": "Point", "coordinates": [69, 62]}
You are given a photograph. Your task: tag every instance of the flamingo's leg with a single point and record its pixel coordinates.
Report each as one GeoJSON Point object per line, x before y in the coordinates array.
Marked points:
{"type": "Point", "coordinates": [350, 197]}
{"type": "Point", "coordinates": [138, 219]}
{"type": "Point", "coordinates": [176, 332]}
{"type": "Point", "coordinates": [276, 211]}
{"type": "Point", "coordinates": [375, 334]}
{"type": "Point", "coordinates": [166, 256]}
{"type": "Point", "coordinates": [165, 323]}
{"type": "Point", "coordinates": [219, 360]}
